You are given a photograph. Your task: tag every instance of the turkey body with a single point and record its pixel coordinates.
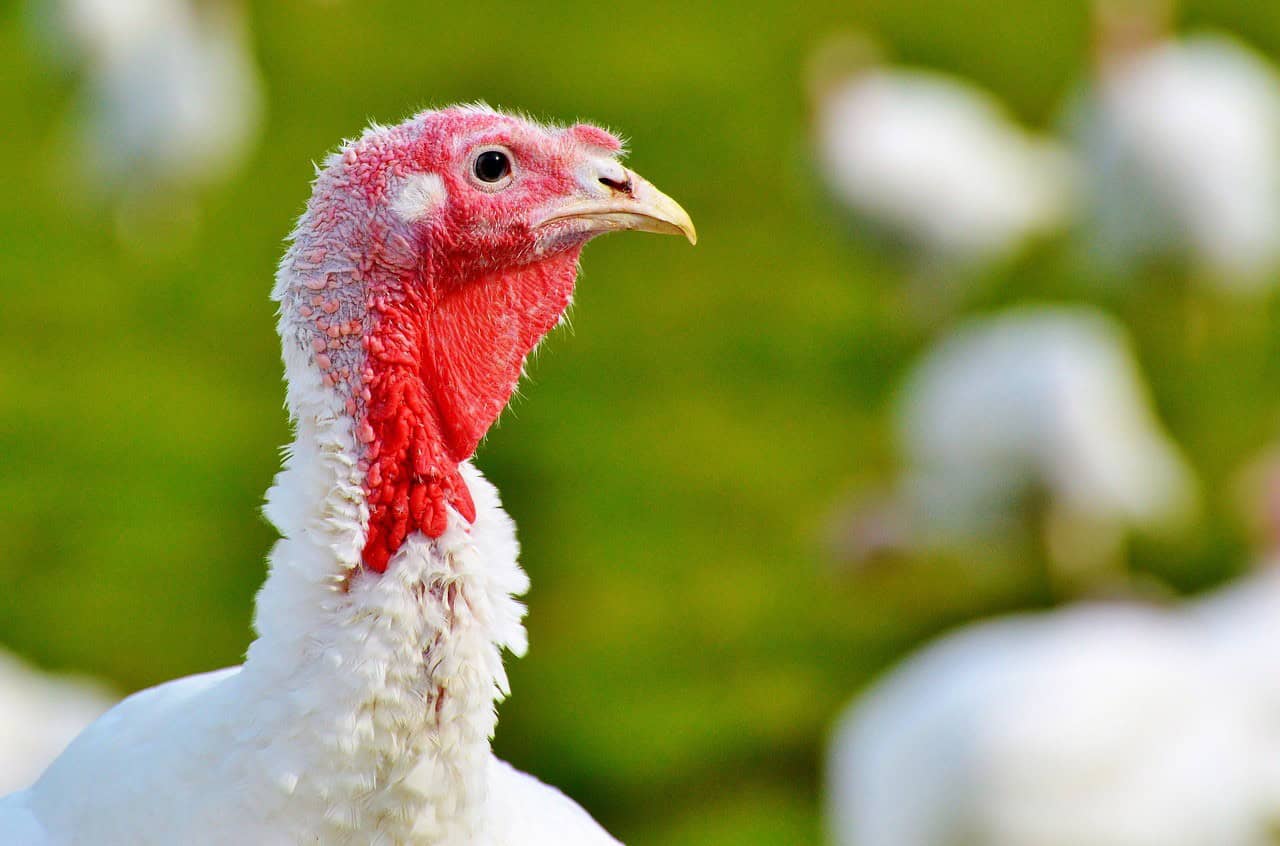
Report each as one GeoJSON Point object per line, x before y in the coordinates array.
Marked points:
{"type": "Point", "coordinates": [1109, 724]}
{"type": "Point", "coordinates": [1180, 144]}
{"type": "Point", "coordinates": [272, 770]}
{"type": "Point", "coordinates": [939, 165]}
{"type": "Point", "coordinates": [171, 98]}
{"type": "Point", "coordinates": [1037, 403]}
{"type": "Point", "coordinates": [39, 715]}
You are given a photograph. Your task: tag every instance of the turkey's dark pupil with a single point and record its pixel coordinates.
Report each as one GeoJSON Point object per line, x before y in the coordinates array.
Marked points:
{"type": "Point", "coordinates": [492, 166]}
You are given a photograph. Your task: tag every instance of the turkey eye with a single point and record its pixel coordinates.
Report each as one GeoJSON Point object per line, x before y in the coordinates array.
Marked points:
{"type": "Point", "coordinates": [492, 166]}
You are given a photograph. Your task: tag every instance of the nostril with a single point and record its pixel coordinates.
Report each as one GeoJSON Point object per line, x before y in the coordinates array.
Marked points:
{"type": "Point", "coordinates": [622, 185]}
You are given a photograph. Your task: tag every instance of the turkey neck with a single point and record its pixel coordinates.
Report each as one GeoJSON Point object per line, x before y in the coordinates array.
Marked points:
{"type": "Point", "coordinates": [377, 691]}
{"type": "Point", "coordinates": [376, 681]}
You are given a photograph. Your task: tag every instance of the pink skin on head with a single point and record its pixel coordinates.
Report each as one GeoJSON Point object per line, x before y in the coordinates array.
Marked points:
{"type": "Point", "coordinates": [424, 324]}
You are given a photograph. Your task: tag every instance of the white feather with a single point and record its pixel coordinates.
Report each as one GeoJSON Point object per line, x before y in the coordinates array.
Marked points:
{"type": "Point", "coordinates": [321, 737]}
{"type": "Point", "coordinates": [1103, 724]}
{"type": "Point", "coordinates": [171, 96]}
{"type": "Point", "coordinates": [940, 163]}
{"type": "Point", "coordinates": [39, 716]}
{"type": "Point", "coordinates": [1181, 143]}
{"type": "Point", "coordinates": [1035, 399]}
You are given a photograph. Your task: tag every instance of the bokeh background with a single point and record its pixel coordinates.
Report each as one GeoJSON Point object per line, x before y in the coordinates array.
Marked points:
{"type": "Point", "coordinates": [677, 455]}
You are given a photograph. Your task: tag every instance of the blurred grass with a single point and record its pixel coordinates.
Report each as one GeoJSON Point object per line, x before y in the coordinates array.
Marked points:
{"type": "Point", "coordinates": [674, 455]}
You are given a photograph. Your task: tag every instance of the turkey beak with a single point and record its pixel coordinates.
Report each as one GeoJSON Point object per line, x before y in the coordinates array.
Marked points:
{"type": "Point", "coordinates": [614, 199]}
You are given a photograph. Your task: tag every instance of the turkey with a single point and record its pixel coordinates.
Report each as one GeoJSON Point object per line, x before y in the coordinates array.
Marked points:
{"type": "Point", "coordinates": [39, 715]}
{"type": "Point", "coordinates": [1102, 724]}
{"type": "Point", "coordinates": [1108, 724]}
{"type": "Point", "coordinates": [432, 257]}
{"type": "Point", "coordinates": [1180, 146]}
{"type": "Point", "coordinates": [932, 161]}
{"type": "Point", "coordinates": [1034, 403]}
{"type": "Point", "coordinates": [170, 99]}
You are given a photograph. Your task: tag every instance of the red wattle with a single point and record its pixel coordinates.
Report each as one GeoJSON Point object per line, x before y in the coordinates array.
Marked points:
{"type": "Point", "coordinates": [442, 361]}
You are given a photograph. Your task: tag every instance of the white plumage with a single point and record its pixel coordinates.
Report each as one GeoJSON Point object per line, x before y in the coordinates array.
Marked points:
{"type": "Point", "coordinates": [1181, 145]}
{"type": "Point", "coordinates": [171, 97]}
{"type": "Point", "coordinates": [1037, 401]}
{"type": "Point", "coordinates": [237, 739]}
{"type": "Point", "coordinates": [937, 163]}
{"type": "Point", "coordinates": [1102, 724]}
{"type": "Point", "coordinates": [39, 715]}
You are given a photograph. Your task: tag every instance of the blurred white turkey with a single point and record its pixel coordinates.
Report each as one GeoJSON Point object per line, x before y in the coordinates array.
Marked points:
{"type": "Point", "coordinates": [932, 160]}
{"type": "Point", "coordinates": [170, 98]}
{"type": "Point", "coordinates": [1117, 724]}
{"type": "Point", "coordinates": [39, 716]}
{"type": "Point", "coordinates": [1035, 402]}
{"type": "Point", "coordinates": [1180, 142]}
{"type": "Point", "coordinates": [1106, 725]}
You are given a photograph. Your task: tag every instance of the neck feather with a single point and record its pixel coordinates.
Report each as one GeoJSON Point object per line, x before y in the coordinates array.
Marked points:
{"type": "Point", "coordinates": [378, 691]}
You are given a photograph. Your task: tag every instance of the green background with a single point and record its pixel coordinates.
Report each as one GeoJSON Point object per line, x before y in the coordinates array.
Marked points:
{"type": "Point", "coordinates": [676, 454]}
